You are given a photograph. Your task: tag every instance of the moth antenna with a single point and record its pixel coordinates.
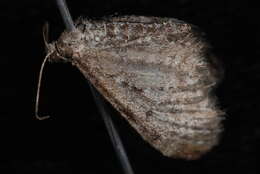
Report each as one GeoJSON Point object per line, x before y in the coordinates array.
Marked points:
{"type": "Point", "coordinates": [38, 89]}
{"type": "Point", "coordinates": [45, 34]}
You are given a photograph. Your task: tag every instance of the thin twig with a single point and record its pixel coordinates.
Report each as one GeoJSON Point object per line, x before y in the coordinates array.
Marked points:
{"type": "Point", "coordinates": [67, 19]}
{"type": "Point", "coordinates": [114, 136]}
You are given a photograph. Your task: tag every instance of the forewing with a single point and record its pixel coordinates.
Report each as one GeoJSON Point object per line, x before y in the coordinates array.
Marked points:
{"type": "Point", "coordinates": [162, 87]}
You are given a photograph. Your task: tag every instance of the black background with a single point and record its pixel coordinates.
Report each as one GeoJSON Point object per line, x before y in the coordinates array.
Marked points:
{"type": "Point", "coordinates": [75, 130]}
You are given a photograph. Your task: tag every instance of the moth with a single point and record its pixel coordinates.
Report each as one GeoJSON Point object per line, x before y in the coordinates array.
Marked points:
{"type": "Point", "coordinates": [159, 73]}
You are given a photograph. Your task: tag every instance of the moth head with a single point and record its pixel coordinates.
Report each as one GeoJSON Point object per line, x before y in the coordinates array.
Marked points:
{"type": "Point", "coordinates": [65, 48]}
{"type": "Point", "coordinates": [69, 44]}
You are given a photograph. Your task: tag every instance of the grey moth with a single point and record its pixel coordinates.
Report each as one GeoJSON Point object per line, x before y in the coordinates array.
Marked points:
{"type": "Point", "coordinates": [159, 73]}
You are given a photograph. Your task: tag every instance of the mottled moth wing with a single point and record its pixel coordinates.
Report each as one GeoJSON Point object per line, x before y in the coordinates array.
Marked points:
{"type": "Point", "coordinates": [158, 73]}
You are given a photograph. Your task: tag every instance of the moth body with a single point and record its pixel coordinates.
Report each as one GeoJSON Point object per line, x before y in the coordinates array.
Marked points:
{"type": "Point", "coordinates": [159, 73]}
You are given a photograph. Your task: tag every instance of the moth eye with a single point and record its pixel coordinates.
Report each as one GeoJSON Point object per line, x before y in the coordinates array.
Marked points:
{"type": "Point", "coordinates": [71, 43]}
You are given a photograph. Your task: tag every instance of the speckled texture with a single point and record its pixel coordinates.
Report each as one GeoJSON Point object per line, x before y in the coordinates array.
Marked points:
{"type": "Point", "coordinates": [157, 72]}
